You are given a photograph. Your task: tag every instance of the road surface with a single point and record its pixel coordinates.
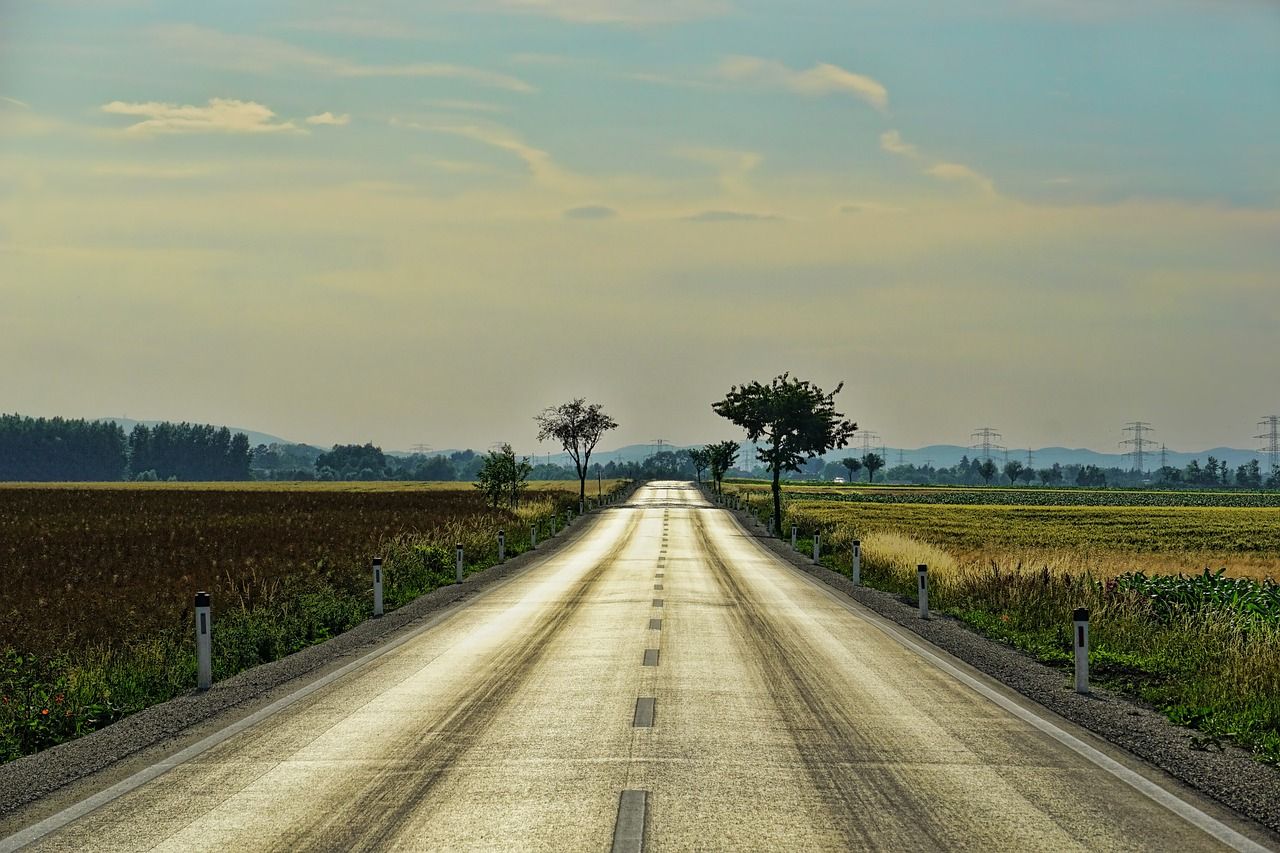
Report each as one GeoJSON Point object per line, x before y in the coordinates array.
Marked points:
{"type": "Point", "coordinates": [662, 682]}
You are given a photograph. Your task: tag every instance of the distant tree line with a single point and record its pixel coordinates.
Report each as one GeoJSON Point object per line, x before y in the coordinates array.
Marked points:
{"type": "Point", "coordinates": [188, 452]}
{"type": "Point", "coordinates": [56, 449]}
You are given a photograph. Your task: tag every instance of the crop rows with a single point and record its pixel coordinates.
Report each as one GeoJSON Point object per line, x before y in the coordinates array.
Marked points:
{"type": "Point", "coordinates": [1032, 497]}
{"type": "Point", "coordinates": [96, 584]}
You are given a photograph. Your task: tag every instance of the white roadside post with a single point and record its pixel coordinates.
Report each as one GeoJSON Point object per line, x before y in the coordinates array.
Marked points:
{"type": "Point", "coordinates": [377, 587]}
{"type": "Point", "coordinates": [793, 537]}
{"type": "Point", "coordinates": [922, 572]}
{"type": "Point", "coordinates": [582, 506]}
{"type": "Point", "coordinates": [554, 520]}
{"type": "Point", "coordinates": [459, 546]}
{"type": "Point", "coordinates": [533, 536]}
{"type": "Point", "coordinates": [204, 648]}
{"type": "Point", "coordinates": [771, 525]}
{"type": "Point", "coordinates": [817, 548]}
{"type": "Point", "coordinates": [502, 546]}
{"type": "Point", "coordinates": [1081, 619]}
{"type": "Point", "coordinates": [855, 570]}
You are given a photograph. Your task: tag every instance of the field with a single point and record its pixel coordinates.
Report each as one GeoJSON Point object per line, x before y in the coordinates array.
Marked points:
{"type": "Point", "coordinates": [96, 582]}
{"type": "Point", "coordinates": [1200, 644]}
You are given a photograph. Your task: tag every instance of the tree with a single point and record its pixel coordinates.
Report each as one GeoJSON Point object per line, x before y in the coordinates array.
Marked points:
{"type": "Point", "coordinates": [502, 475]}
{"type": "Point", "coordinates": [873, 462]}
{"type": "Point", "coordinates": [1028, 474]}
{"type": "Point", "coordinates": [987, 470]}
{"type": "Point", "coordinates": [578, 426]}
{"type": "Point", "coordinates": [1249, 475]}
{"type": "Point", "coordinates": [852, 464]}
{"type": "Point", "coordinates": [1013, 470]}
{"type": "Point", "coordinates": [796, 419]}
{"type": "Point", "coordinates": [700, 459]}
{"type": "Point", "coordinates": [722, 455]}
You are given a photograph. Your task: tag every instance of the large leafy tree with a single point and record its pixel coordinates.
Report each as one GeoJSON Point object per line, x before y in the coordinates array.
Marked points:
{"type": "Point", "coordinates": [578, 426]}
{"type": "Point", "coordinates": [795, 419]}
{"type": "Point", "coordinates": [852, 464]}
{"type": "Point", "coordinates": [721, 456]}
{"type": "Point", "coordinates": [700, 460]}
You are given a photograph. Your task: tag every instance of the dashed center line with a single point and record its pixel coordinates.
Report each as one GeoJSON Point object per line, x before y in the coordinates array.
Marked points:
{"type": "Point", "coordinates": [628, 829]}
{"type": "Point", "coordinates": [643, 718]}
{"type": "Point", "coordinates": [657, 602]}
{"type": "Point", "coordinates": [655, 624]}
{"type": "Point", "coordinates": [650, 657]}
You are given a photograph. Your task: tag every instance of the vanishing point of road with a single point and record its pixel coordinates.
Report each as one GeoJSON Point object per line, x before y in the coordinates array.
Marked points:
{"type": "Point", "coordinates": [659, 681]}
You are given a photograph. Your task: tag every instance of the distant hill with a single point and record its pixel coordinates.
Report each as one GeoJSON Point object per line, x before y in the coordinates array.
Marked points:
{"type": "Point", "coordinates": [255, 438]}
{"type": "Point", "coordinates": [946, 455]}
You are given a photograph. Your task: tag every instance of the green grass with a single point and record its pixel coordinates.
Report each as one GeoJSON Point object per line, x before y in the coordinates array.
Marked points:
{"type": "Point", "coordinates": [1203, 648]}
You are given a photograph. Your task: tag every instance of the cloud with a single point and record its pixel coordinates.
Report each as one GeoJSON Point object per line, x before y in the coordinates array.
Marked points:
{"type": "Point", "coordinates": [362, 26]}
{"type": "Point", "coordinates": [870, 207]}
{"type": "Point", "coordinates": [258, 54]}
{"type": "Point", "coordinates": [591, 211]}
{"type": "Point", "coordinates": [222, 115]}
{"type": "Point", "coordinates": [330, 119]}
{"type": "Point", "coordinates": [730, 216]}
{"type": "Point", "coordinates": [962, 173]}
{"type": "Point", "coordinates": [540, 164]}
{"type": "Point", "coordinates": [15, 102]}
{"type": "Point", "coordinates": [821, 79]}
{"type": "Point", "coordinates": [891, 141]}
{"type": "Point", "coordinates": [733, 166]}
{"type": "Point", "coordinates": [625, 12]}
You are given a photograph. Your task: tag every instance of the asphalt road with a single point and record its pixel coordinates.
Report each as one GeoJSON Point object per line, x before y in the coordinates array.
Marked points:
{"type": "Point", "coordinates": [662, 682]}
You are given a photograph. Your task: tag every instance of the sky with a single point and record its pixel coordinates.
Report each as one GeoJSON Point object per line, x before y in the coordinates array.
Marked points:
{"type": "Point", "coordinates": [422, 222]}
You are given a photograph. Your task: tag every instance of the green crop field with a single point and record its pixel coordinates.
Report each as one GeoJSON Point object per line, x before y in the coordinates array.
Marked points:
{"type": "Point", "coordinates": [96, 582]}
{"type": "Point", "coordinates": [1201, 644]}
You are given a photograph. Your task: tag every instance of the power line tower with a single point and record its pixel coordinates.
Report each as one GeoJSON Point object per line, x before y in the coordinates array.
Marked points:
{"type": "Point", "coordinates": [1031, 459]}
{"type": "Point", "coordinates": [421, 448]}
{"type": "Point", "coordinates": [902, 457]}
{"type": "Point", "coordinates": [869, 442]}
{"type": "Point", "coordinates": [1270, 426]}
{"type": "Point", "coordinates": [986, 440]}
{"type": "Point", "coordinates": [657, 444]}
{"type": "Point", "coordinates": [1164, 456]}
{"type": "Point", "coordinates": [1139, 443]}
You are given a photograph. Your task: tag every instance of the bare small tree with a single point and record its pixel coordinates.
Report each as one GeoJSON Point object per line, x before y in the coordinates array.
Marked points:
{"type": "Point", "coordinates": [578, 426]}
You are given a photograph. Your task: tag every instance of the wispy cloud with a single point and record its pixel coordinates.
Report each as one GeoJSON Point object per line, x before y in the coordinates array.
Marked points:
{"type": "Point", "coordinates": [362, 26]}
{"type": "Point", "coordinates": [260, 54]}
{"type": "Point", "coordinates": [892, 142]}
{"type": "Point", "coordinates": [733, 166]}
{"type": "Point", "coordinates": [542, 167]}
{"type": "Point", "coordinates": [220, 115]}
{"type": "Point", "coordinates": [591, 212]}
{"type": "Point", "coordinates": [822, 79]}
{"type": "Point", "coordinates": [962, 173]}
{"type": "Point", "coordinates": [730, 216]}
{"type": "Point", "coordinates": [623, 12]}
{"type": "Point", "coordinates": [330, 119]}
{"type": "Point", "coordinates": [15, 102]}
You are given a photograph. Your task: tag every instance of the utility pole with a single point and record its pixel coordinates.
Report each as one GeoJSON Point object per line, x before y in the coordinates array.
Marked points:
{"type": "Point", "coordinates": [869, 440]}
{"type": "Point", "coordinates": [1139, 443]}
{"type": "Point", "coordinates": [1270, 426]}
{"type": "Point", "coordinates": [986, 440]}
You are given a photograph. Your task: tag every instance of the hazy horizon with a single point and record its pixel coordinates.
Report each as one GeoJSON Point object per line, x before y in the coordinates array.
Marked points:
{"type": "Point", "coordinates": [412, 226]}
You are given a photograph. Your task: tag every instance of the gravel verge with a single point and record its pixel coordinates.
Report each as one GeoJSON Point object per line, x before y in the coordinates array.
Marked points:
{"type": "Point", "coordinates": [1227, 774]}
{"type": "Point", "coordinates": [28, 779]}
